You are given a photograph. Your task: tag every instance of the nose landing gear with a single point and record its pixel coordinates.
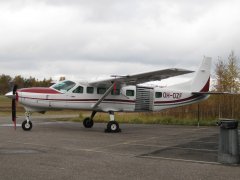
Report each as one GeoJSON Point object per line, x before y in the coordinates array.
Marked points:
{"type": "Point", "coordinates": [27, 124]}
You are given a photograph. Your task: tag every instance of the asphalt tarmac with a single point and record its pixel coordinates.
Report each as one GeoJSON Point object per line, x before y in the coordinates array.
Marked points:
{"type": "Point", "coordinates": [66, 150]}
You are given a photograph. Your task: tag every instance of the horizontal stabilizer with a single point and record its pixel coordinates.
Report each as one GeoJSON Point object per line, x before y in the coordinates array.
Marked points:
{"type": "Point", "coordinates": [214, 93]}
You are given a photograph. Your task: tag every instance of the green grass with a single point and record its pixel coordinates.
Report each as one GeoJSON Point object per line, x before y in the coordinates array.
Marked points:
{"type": "Point", "coordinates": [5, 102]}
{"type": "Point", "coordinates": [142, 118]}
{"type": "Point", "coordinates": [5, 106]}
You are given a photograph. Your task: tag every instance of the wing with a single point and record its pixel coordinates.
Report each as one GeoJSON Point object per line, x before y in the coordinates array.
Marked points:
{"type": "Point", "coordinates": [142, 78]}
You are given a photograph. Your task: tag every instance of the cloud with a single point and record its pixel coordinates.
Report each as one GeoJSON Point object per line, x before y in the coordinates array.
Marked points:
{"type": "Point", "coordinates": [47, 38]}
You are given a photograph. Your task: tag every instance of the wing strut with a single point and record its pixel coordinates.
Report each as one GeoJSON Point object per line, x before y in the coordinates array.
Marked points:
{"type": "Point", "coordinates": [104, 95]}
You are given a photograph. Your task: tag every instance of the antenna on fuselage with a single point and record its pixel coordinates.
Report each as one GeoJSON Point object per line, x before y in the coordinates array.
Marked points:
{"type": "Point", "coordinates": [119, 76]}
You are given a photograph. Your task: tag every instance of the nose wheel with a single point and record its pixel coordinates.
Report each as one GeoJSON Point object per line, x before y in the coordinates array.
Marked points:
{"type": "Point", "coordinates": [27, 124]}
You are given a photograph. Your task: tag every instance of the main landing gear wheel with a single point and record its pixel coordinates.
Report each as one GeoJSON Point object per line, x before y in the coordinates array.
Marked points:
{"type": "Point", "coordinates": [27, 125]}
{"type": "Point", "coordinates": [88, 123]}
{"type": "Point", "coordinates": [113, 127]}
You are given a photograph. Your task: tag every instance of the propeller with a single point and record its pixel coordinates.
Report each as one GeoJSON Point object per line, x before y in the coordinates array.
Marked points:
{"type": "Point", "coordinates": [14, 99]}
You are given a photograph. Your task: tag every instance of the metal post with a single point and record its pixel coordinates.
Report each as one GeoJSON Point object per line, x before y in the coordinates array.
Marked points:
{"type": "Point", "coordinates": [198, 115]}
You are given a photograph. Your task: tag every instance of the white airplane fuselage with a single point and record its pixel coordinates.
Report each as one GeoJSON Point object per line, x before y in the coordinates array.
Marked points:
{"type": "Point", "coordinates": [129, 99]}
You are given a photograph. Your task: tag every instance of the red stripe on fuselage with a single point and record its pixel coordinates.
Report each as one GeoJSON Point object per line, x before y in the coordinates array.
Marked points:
{"type": "Point", "coordinates": [206, 87]}
{"type": "Point", "coordinates": [81, 100]}
{"type": "Point", "coordinates": [40, 90]}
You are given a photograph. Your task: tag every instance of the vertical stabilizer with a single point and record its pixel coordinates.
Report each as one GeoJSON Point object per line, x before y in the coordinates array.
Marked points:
{"type": "Point", "coordinates": [201, 80]}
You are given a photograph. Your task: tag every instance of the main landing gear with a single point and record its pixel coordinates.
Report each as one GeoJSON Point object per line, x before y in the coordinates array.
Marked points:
{"type": "Point", "coordinates": [112, 126]}
{"type": "Point", "coordinates": [27, 124]}
{"type": "Point", "coordinates": [88, 122]}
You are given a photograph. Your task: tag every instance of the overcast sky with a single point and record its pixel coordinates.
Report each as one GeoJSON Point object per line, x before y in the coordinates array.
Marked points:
{"type": "Point", "coordinates": [90, 38]}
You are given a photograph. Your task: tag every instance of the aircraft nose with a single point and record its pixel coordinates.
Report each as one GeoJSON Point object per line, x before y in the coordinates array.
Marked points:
{"type": "Point", "coordinates": [10, 95]}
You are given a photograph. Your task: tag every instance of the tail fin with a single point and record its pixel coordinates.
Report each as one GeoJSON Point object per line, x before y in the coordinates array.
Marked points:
{"type": "Point", "coordinates": [200, 82]}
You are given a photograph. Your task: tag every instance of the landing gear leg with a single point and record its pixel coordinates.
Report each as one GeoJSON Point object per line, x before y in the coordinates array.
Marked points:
{"type": "Point", "coordinates": [88, 122]}
{"type": "Point", "coordinates": [112, 126]}
{"type": "Point", "coordinates": [27, 124]}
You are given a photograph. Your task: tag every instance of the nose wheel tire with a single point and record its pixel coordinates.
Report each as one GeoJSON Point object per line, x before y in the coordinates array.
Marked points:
{"type": "Point", "coordinates": [88, 123]}
{"type": "Point", "coordinates": [113, 127]}
{"type": "Point", "coordinates": [27, 126]}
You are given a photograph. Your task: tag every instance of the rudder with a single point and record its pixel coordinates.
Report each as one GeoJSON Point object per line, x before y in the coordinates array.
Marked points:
{"type": "Point", "coordinates": [201, 80]}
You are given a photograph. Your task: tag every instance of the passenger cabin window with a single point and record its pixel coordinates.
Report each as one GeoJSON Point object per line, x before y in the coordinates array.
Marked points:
{"type": "Point", "coordinates": [130, 93]}
{"type": "Point", "coordinates": [101, 90]}
{"type": "Point", "coordinates": [158, 94]}
{"type": "Point", "coordinates": [115, 92]}
{"type": "Point", "coordinates": [79, 89]}
{"type": "Point", "coordinates": [90, 90]}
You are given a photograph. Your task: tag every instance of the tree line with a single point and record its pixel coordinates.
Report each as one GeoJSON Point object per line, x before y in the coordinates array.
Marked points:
{"type": "Point", "coordinates": [7, 82]}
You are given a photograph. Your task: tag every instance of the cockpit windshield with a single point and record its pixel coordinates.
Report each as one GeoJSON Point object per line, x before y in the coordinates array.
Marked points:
{"type": "Point", "coordinates": [64, 86]}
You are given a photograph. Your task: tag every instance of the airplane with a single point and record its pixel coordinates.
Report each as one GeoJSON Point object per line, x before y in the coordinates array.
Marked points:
{"type": "Point", "coordinates": [116, 94]}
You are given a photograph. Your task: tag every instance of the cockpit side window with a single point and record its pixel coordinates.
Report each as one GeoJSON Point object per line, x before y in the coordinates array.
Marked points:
{"type": "Point", "coordinates": [64, 86]}
{"type": "Point", "coordinates": [79, 89]}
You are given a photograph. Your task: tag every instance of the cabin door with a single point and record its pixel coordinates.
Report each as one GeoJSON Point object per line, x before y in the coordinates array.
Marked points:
{"type": "Point", "coordinates": [144, 99]}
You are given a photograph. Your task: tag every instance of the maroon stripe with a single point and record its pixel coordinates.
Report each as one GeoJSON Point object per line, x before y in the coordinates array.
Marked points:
{"type": "Point", "coordinates": [81, 100]}
{"type": "Point", "coordinates": [40, 90]}
{"type": "Point", "coordinates": [206, 87]}
{"type": "Point", "coordinates": [183, 102]}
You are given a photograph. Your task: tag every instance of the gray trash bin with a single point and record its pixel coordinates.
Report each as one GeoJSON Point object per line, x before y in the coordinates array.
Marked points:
{"type": "Point", "coordinates": [228, 148]}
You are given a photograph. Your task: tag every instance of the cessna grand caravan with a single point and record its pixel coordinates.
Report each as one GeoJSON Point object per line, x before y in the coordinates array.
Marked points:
{"type": "Point", "coordinates": [116, 94]}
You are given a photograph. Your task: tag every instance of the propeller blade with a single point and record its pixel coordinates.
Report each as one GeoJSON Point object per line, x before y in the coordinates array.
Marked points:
{"type": "Point", "coordinates": [14, 89]}
{"type": "Point", "coordinates": [14, 106]}
{"type": "Point", "coordinates": [14, 112]}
